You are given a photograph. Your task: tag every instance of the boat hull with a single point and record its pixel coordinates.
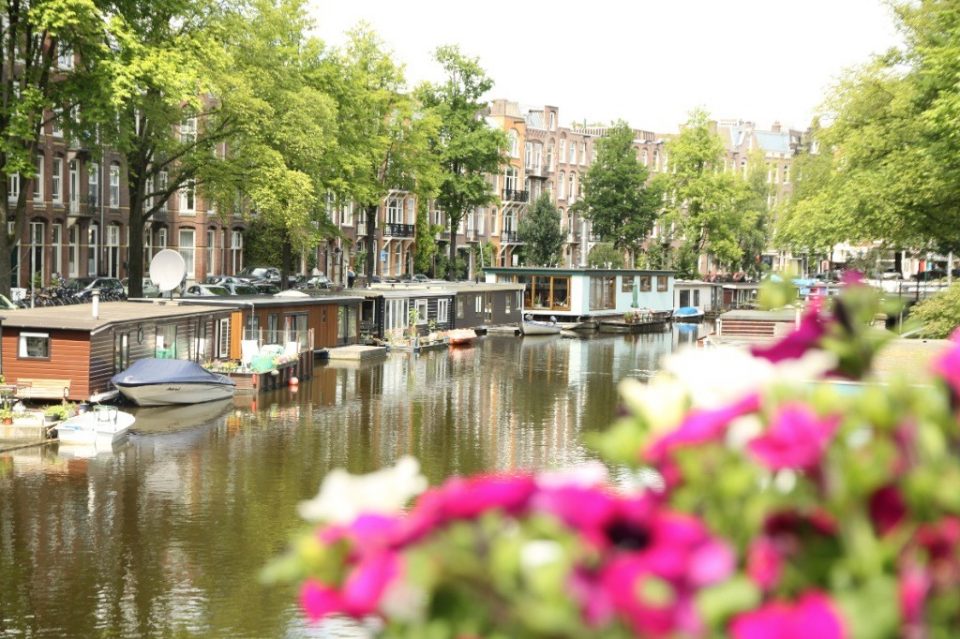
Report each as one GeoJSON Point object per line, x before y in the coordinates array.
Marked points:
{"type": "Point", "coordinates": [95, 427]}
{"type": "Point", "coordinates": [462, 337]}
{"type": "Point", "coordinates": [539, 328]}
{"type": "Point", "coordinates": [170, 394]}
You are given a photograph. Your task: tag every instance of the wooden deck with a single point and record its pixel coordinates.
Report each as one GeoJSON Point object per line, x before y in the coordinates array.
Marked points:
{"type": "Point", "coordinates": [250, 382]}
{"type": "Point", "coordinates": [356, 353]}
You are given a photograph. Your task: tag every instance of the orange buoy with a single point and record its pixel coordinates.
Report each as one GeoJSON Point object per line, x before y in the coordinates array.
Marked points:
{"type": "Point", "coordinates": [294, 382]}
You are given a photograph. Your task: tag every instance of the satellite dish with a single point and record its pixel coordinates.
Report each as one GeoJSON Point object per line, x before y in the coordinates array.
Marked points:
{"type": "Point", "coordinates": [167, 269]}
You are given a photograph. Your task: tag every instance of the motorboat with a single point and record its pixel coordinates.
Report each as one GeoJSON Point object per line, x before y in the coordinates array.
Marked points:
{"type": "Point", "coordinates": [165, 382]}
{"type": "Point", "coordinates": [529, 327]}
{"type": "Point", "coordinates": [687, 314]}
{"type": "Point", "coordinates": [94, 427]}
{"type": "Point", "coordinates": [462, 336]}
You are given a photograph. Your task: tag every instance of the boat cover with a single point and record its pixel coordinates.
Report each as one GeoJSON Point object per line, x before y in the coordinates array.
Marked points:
{"type": "Point", "coordinates": [687, 311]}
{"type": "Point", "coordinates": [167, 371]}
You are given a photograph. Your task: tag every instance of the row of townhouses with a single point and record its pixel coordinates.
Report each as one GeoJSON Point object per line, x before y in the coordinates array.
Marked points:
{"type": "Point", "coordinates": [77, 217]}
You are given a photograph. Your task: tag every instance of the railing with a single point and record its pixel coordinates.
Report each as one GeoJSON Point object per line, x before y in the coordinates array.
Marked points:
{"type": "Point", "coordinates": [361, 229]}
{"type": "Point", "coordinates": [160, 215]}
{"type": "Point", "coordinates": [291, 341]}
{"type": "Point", "coordinates": [509, 236]}
{"type": "Point", "coordinates": [512, 195]}
{"type": "Point", "coordinates": [391, 229]}
{"type": "Point", "coordinates": [471, 235]}
{"type": "Point", "coordinates": [538, 170]}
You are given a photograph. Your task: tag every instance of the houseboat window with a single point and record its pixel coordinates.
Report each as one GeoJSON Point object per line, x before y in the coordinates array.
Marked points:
{"type": "Point", "coordinates": [421, 306]}
{"type": "Point", "coordinates": [167, 342]}
{"type": "Point", "coordinates": [645, 283]}
{"type": "Point", "coordinates": [223, 339]}
{"type": "Point", "coordinates": [478, 304]}
{"type": "Point", "coordinates": [561, 293]}
{"type": "Point", "coordinates": [443, 311]}
{"type": "Point", "coordinates": [541, 292]}
{"type": "Point", "coordinates": [273, 326]}
{"type": "Point", "coordinates": [35, 345]}
{"type": "Point", "coordinates": [459, 307]}
{"type": "Point", "coordinates": [661, 283]}
{"type": "Point", "coordinates": [696, 297]}
{"type": "Point", "coordinates": [487, 306]}
{"type": "Point", "coordinates": [121, 351]}
{"type": "Point", "coordinates": [396, 314]}
{"type": "Point", "coordinates": [684, 298]}
{"type": "Point", "coordinates": [603, 293]}
{"type": "Point", "coordinates": [626, 285]}
{"type": "Point", "coordinates": [507, 303]}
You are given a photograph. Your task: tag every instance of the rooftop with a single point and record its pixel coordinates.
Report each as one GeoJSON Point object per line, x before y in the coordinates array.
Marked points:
{"type": "Point", "coordinates": [79, 317]}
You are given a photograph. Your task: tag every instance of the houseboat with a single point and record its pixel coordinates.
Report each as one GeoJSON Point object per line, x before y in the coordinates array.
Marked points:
{"type": "Point", "coordinates": [586, 296]}
{"type": "Point", "coordinates": [55, 353]}
{"type": "Point", "coordinates": [703, 296]}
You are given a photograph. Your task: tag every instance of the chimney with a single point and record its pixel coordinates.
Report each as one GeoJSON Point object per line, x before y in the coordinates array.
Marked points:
{"type": "Point", "coordinates": [96, 303]}
{"type": "Point", "coordinates": [775, 127]}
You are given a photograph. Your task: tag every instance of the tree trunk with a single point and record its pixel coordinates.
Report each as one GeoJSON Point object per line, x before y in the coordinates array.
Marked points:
{"type": "Point", "coordinates": [452, 265]}
{"type": "Point", "coordinates": [286, 260]}
{"type": "Point", "coordinates": [372, 250]}
{"type": "Point", "coordinates": [135, 250]}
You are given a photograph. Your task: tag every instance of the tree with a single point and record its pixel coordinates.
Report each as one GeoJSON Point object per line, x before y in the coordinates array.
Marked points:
{"type": "Point", "coordinates": [939, 315]}
{"type": "Point", "coordinates": [620, 205]}
{"type": "Point", "coordinates": [383, 134]}
{"type": "Point", "coordinates": [541, 233]}
{"type": "Point", "coordinates": [468, 150]}
{"type": "Point", "coordinates": [425, 246]}
{"type": "Point", "coordinates": [893, 153]}
{"type": "Point", "coordinates": [753, 236]}
{"type": "Point", "coordinates": [50, 62]}
{"type": "Point", "coordinates": [605, 255]}
{"type": "Point", "coordinates": [166, 111]}
{"type": "Point", "coordinates": [703, 201]}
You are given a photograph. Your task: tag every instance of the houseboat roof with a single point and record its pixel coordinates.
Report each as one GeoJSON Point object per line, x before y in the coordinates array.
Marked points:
{"type": "Point", "coordinates": [434, 289]}
{"type": "Point", "coordinates": [248, 301]}
{"type": "Point", "coordinates": [546, 270]}
{"type": "Point", "coordinates": [693, 283]}
{"type": "Point", "coordinates": [778, 315]}
{"type": "Point", "coordinates": [80, 317]}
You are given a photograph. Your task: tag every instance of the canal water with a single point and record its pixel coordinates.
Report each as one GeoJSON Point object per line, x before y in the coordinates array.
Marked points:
{"type": "Point", "coordinates": [165, 535]}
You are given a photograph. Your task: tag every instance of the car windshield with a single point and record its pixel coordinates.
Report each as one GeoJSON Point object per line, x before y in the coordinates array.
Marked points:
{"type": "Point", "coordinates": [245, 290]}
{"type": "Point", "coordinates": [216, 290]}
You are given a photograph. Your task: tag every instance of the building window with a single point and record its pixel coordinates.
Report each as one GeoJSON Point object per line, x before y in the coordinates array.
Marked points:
{"type": "Point", "coordinates": [74, 187]}
{"type": "Point", "coordinates": [443, 311]}
{"type": "Point", "coordinates": [114, 185]}
{"type": "Point", "coordinates": [550, 156]}
{"type": "Point", "coordinates": [166, 342]}
{"type": "Point", "coordinates": [56, 123]}
{"type": "Point", "coordinates": [93, 252]}
{"type": "Point", "coordinates": [162, 238]}
{"type": "Point", "coordinates": [603, 292]}
{"type": "Point", "coordinates": [187, 244]}
{"type": "Point", "coordinates": [583, 153]}
{"type": "Point", "coordinates": [626, 284]}
{"type": "Point", "coordinates": [395, 315]}
{"type": "Point", "coordinates": [561, 186]}
{"type": "Point", "coordinates": [56, 181]}
{"type": "Point", "coordinates": [553, 121]}
{"type": "Point", "coordinates": [34, 346]}
{"type": "Point", "coordinates": [478, 304]}
{"type": "Point", "coordinates": [512, 139]}
{"type": "Point", "coordinates": [38, 181]}
{"type": "Point", "coordinates": [56, 239]}
{"type": "Point", "coordinates": [73, 242]}
{"type": "Point", "coordinates": [459, 307]}
{"type": "Point", "coordinates": [162, 188]}
{"type": "Point", "coordinates": [223, 337]}
{"type": "Point", "coordinates": [93, 184]}
{"type": "Point", "coordinates": [65, 57]}
{"type": "Point", "coordinates": [573, 152]}
{"type": "Point", "coordinates": [562, 156]}
{"type": "Point", "coordinates": [661, 283]}
{"type": "Point", "coordinates": [113, 250]}
{"type": "Point", "coordinates": [236, 251]}
{"type": "Point", "coordinates": [211, 251]}
{"type": "Point", "coordinates": [395, 210]}
{"type": "Point", "coordinates": [188, 131]}
{"type": "Point", "coordinates": [188, 197]}
{"type": "Point", "coordinates": [36, 251]}
{"type": "Point", "coordinates": [13, 186]}
{"type": "Point", "coordinates": [507, 308]}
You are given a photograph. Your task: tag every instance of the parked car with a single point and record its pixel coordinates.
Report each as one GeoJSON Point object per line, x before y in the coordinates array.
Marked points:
{"type": "Point", "coordinates": [149, 288]}
{"type": "Point", "coordinates": [316, 281]}
{"type": "Point", "coordinates": [891, 274]}
{"type": "Point", "coordinates": [109, 285]}
{"type": "Point", "coordinates": [221, 280]}
{"type": "Point", "coordinates": [929, 275]}
{"type": "Point", "coordinates": [205, 290]}
{"type": "Point", "coordinates": [240, 288]}
{"type": "Point", "coordinates": [265, 287]}
{"type": "Point", "coordinates": [255, 273]}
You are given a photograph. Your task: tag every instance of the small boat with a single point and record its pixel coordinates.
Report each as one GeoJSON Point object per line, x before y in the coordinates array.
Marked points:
{"type": "Point", "coordinates": [462, 336]}
{"type": "Point", "coordinates": [102, 424]}
{"type": "Point", "coordinates": [164, 382]}
{"type": "Point", "coordinates": [687, 314]}
{"type": "Point", "coordinates": [529, 326]}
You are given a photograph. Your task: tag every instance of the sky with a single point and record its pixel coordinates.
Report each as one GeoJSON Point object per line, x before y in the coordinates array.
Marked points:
{"type": "Point", "coordinates": [649, 62]}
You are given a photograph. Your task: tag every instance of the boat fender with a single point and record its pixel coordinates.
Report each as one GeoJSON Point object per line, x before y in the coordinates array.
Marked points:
{"type": "Point", "coordinates": [294, 382]}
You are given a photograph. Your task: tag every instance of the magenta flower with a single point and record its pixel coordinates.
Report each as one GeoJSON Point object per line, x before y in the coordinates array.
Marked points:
{"type": "Point", "coordinates": [796, 438]}
{"type": "Point", "coordinates": [806, 336]}
{"type": "Point", "coordinates": [852, 277]}
{"type": "Point", "coordinates": [912, 588]}
{"type": "Point", "coordinates": [813, 615]}
{"type": "Point", "coordinates": [702, 426]}
{"type": "Point", "coordinates": [887, 508]}
{"type": "Point", "coordinates": [366, 583]}
{"type": "Point", "coordinates": [764, 563]}
{"type": "Point", "coordinates": [586, 510]}
{"type": "Point", "coordinates": [947, 364]}
{"type": "Point", "coordinates": [319, 600]}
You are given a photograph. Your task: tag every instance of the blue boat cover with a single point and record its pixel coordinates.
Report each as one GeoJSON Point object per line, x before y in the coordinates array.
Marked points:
{"type": "Point", "coordinates": [687, 311]}
{"type": "Point", "coordinates": [167, 371]}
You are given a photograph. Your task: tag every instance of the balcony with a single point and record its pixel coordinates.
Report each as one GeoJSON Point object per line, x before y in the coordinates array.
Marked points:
{"type": "Point", "coordinates": [512, 195]}
{"type": "Point", "coordinates": [361, 229]}
{"type": "Point", "coordinates": [398, 230]}
{"type": "Point", "coordinates": [537, 171]}
{"type": "Point", "coordinates": [84, 207]}
{"type": "Point", "coordinates": [510, 237]}
{"type": "Point", "coordinates": [160, 215]}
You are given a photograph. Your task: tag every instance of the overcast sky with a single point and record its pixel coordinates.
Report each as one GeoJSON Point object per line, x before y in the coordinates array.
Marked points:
{"type": "Point", "coordinates": [647, 61]}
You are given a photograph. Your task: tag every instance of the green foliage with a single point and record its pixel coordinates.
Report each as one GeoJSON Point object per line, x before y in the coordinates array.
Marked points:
{"type": "Point", "coordinates": [605, 255]}
{"type": "Point", "coordinates": [711, 207]}
{"type": "Point", "coordinates": [424, 242]}
{"type": "Point", "coordinates": [467, 149]}
{"type": "Point", "coordinates": [616, 199]}
{"type": "Point", "coordinates": [541, 233]}
{"type": "Point", "coordinates": [939, 315]}
{"type": "Point", "coordinates": [893, 158]}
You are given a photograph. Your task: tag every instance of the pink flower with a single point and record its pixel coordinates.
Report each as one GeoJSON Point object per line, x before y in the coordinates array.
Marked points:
{"type": "Point", "coordinates": [764, 563]}
{"type": "Point", "coordinates": [947, 364]}
{"type": "Point", "coordinates": [702, 426]}
{"type": "Point", "coordinates": [887, 509]}
{"type": "Point", "coordinates": [586, 510]}
{"type": "Point", "coordinates": [852, 277]}
{"type": "Point", "coordinates": [797, 438]}
{"type": "Point", "coordinates": [806, 336]}
{"type": "Point", "coordinates": [813, 615]}
{"type": "Point", "coordinates": [367, 582]}
{"type": "Point", "coordinates": [319, 600]}
{"type": "Point", "coordinates": [912, 589]}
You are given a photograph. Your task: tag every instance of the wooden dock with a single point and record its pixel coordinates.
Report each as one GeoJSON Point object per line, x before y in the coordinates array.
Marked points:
{"type": "Point", "coordinates": [257, 382]}
{"type": "Point", "coordinates": [356, 353]}
{"type": "Point", "coordinates": [643, 326]}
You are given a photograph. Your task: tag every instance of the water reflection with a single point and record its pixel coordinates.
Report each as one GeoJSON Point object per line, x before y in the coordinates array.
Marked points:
{"type": "Point", "coordinates": [165, 535]}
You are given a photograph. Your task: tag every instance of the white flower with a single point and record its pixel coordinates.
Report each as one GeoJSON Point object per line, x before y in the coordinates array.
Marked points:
{"type": "Point", "coordinates": [343, 496]}
{"type": "Point", "coordinates": [661, 403]}
{"type": "Point", "coordinates": [585, 475]}
{"type": "Point", "coordinates": [538, 553]}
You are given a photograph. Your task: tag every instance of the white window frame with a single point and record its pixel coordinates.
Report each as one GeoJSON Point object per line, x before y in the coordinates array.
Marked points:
{"type": "Point", "coordinates": [56, 241]}
{"type": "Point", "coordinates": [73, 250]}
{"type": "Point", "coordinates": [188, 250]}
{"type": "Point", "coordinates": [478, 303]}
{"type": "Point", "coordinates": [65, 57]}
{"type": "Point", "coordinates": [93, 184]}
{"type": "Point", "coordinates": [236, 251]}
{"type": "Point", "coordinates": [443, 311]}
{"type": "Point", "coordinates": [38, 181]}
{"type": "Point", "coordinates": [13, 186]}
{"type": "Point", "coordinates": [423, 308]}
{"type": "Point", "coordinates": [223, 337]}
{"type": "Point", "coordinates": [188, 131]}
{"type": "Point", "coordinates": [56, 123]}
{"type": "Point", "coordinates": [22, 352]}
{"type": "Point", "coordinates": [188, 198]}
{"type": "Point", "coordinates": [114, 186]}
{"type": "Point", "coordinates": [56, 181]}
{"type": "Point", "coordinates": [211, 250]}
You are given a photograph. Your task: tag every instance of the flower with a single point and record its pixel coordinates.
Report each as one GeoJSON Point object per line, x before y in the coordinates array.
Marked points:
{"type": "Point", "coordinates": [813, 615]}
{"type": "Point", "coordinates": [947, 364]}
{"type": "Point", "coordinates": [807, 336]}
{"type": "Point", "coordinates": [343, 497]}
{"type": "Point", "coordinates": [702, 426]}
{"type": "Point", "coordinates": [764, 563]}
{"type": "Point", "coordinates": [797, 438]}
{"type": "Point", "coordinates": [887, 508]}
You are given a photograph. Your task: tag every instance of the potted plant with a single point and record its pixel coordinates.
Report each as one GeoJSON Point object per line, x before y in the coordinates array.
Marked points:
{"type": "Point", "coordinates": [56, 413]}
{"type": "Point", "coordinates": [6, 416]}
